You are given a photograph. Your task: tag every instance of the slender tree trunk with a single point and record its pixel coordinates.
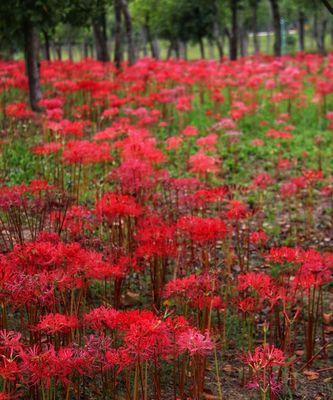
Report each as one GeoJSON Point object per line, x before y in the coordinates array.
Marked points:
{"type": "Point", "coordinates": [202, 48]}
{"type": "Point", "coordinates": [234, 30]}
{"type": "Point", "coordinates": [185, 51]}
{"type": "Point", "coordinates": [85, 49]}
{"type": "Point", "coordinates": [31, 50]}
{"type": "Point", "coordinates": [144, 40]}
{"type": "Point", "coordinates": [301, 31]}
{"type": "Point", "coordinates": [100, 36]}
{"type": "Point", "coordinates": [256, 43]}
{"type": "Point", "coordinates": [176, 48]}
{"type": "Point", "coordinates": [328, 5]}
{"type": "Point", "coordinates": [47, 46]}
{"type": "Point", "coordinates": [58, 49]}
{"type": "Point", "coordinates": [217, 36]}
{"type": "Point", "coordinates": [211, 50]}
{"type": "Point", "coordinates": [70, 50]}
{"type": "Point", "coordinates": [169, 52]}
{"type": "Point", "coordinates": [118, 48]}
{"type": "Point", "coordinates": [319, 32]}
{"type": "Point", "coordinates": [277, 27]}
{"type": "Point", "coordinates": [154, 47]}
{"type": "Point", "coordinates": [243, 42]}
{"type": "Point", "coordinates": [129, 34]}
{"type": "Point", "coordinates": [219, 45]}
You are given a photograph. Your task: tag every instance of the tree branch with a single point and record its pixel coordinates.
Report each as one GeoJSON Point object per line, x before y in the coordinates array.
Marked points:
{"type": "Point", "coordinates": [328, 5]}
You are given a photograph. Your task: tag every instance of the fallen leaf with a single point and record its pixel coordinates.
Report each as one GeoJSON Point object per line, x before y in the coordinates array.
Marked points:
{"type": "Point", "coordinates": [327, 318]}
{"type": "Point", "coordinates": [130, 298]}
{"type": "Point", "coordinates": [311, 375]}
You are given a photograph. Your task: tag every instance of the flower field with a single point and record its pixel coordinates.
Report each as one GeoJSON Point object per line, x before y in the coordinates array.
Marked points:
{"type": "Point", "coordinates": [166, 230]}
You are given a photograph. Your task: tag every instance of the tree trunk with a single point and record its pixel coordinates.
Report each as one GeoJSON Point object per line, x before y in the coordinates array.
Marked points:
{"type": "Point", "coordinates": [85, 49]}
{"type": "Point", "coordinates": [185, 51]}
{"type": "Point", "coordinates": [211, 50]}
{"type": "Point", "coordinates": [144, 40]}
{"type": "Point", "coordinates": [243, 42]}
{"type": "Point", "coordinates": [58, 49]}
{"type": "Point", "coordinates": [256, 43]}
{"type": "Point", "coordinates": [301, 31]}
{"type": "Point", "coordinates": [118, 48]}
{"type": "Point", "coordinates": [47, 46]}
{"type": "Point", "coordinates": [169, 52]}
{"type": "Point", "coordinates": [217, 36]}
{"type": "Point", "coordinates": [319, 32]}
{"type": "Point", "coordinates": [100, 36]}
{"type": "Point", "coordinates": [31, 50]}
{"type": "Point", "coordinates": [277, 27]}
{"type": "Point", "coordinates": [154, 47]}
{"type": "Point", "coordinates": [202, 49]}
{"type": "Point", "coordinates": [176, 48]}
{"type": "Point", "coordinates": [234, 30]}
{"type": "Point", "coordinates": [70, 50]}
{"type": "Point", "coordinates": [328, 5]}
{"type": "Point", "coordinates": [129, 34]}
{"type": "Point", "coordinates": [219, 45]}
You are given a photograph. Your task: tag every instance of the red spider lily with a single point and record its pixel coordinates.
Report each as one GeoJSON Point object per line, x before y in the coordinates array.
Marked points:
{"type": "Point", "coordinates": [19, 111]}
{"type": "Point", "coordinates": [202, 197]}
{"type": "Point", "coordinates": [148, 339]}
{"type": "Point", "coordinates": [262, 362]}
{"type": "Point", "coordinates": [155, 237]}
{"type": "Point", "coordinates": [257, 142]}
{"type": "Point", "coordinates": [202, 230]}
{"type": "Point", "coordinates": [78, 219]}
{"type": "Point", "coordinates": [275, 134]}
{"type": "Point", "coordinates": [190, 130]}
{"type": "Point", "coordinates": [262, 181]}
{"type": "Point", "coordinates": [237, 210]}
{"type": "Point", "coordinates": [201, 163]}
{"type": "Point", "coordinates": [52, 323]}
{"type": "Point", "coordinates": [312, 274]}
{"type": "Point", "coordinates": [72, 128]}
{"type": "Point", "coordinates": [195, 342]}
{"type": "Point", "coordinates": [208, 142]}
{"type": "Point", "coordinates": [109, 133]}
{"type": "Point", "coordinates": [53, 103]}
{"type": "Point", "coordinates": [174, 142]}
{"type": "Point", "coordinates": [10, 341]}
{"type": "Point", "coordinates": [285, 255]}
{"type": "Point", "coordinates": [134, 175]}
{"type": "Point", "coordinates": [9, 369]}
{"type": "Point", "coordinates": [84, 152]}
{"type": "Point", "coordinates": [113, 205]}
{"type": "Point", "coordinates": [258, 237]}
{"type": "Point", "coordinates": [47, 148]}
{"type": "Point", "coordinates": [47, 365]}
{"type": "Point", "coordinates": [101, 318]}
{"type": "Point", "coordinates": [198, 290]}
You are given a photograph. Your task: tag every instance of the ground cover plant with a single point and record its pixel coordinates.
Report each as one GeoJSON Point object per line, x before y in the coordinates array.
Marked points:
{"type": "Point", "coordinates": [166, 230]}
